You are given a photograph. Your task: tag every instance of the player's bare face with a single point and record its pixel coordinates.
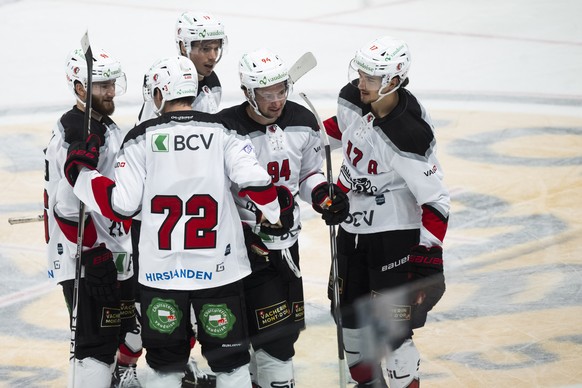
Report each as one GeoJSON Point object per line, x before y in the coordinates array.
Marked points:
{"type": "Point", "coordinates": [271, 100]}
{"type": "Point", "coordinates": [103, 95]}
{"type": "Point", "coordinates": [205, 55]}
{"type": "Point", "coordinates": [369, 87]}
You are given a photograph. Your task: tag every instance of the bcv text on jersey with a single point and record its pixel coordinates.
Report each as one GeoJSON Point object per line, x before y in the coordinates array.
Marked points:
{"type": "Point", "coordinates": [161, 142]}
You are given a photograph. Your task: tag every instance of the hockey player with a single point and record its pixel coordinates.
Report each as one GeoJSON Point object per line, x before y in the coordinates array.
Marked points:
{"type": "Point", "coordinates": [399, 207]}
{"type": "Point", "coordinates": [106, 301]}
{"type": "Point", "coordinates": [177, 170]}
{"type": "Point", "coordinates": [285, 136]}
{"type": "Point", "coordinates": [199, 36]}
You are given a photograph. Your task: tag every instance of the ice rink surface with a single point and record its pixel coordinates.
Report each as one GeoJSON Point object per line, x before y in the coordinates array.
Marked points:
{"type": "Point", "coordinates": [502, 82]}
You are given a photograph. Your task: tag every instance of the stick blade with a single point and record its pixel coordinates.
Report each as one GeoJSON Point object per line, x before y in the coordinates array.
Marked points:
{"type": "Point", "coordinates": [304, 64]}
{"type": "Point", "coordinates": [85, 45]}
{"type": "Point", "coordinates": [24, 220]}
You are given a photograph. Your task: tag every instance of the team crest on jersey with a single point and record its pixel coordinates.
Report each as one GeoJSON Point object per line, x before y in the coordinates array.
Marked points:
{"type": "Point", "coordinates": [275, 136]}
{"type": "Point", "coordinates": [358, 185]}
{"type": "Point", "coordinates": [217, 320]}
{"type": "Point", "coordinates": [160, 142]}
{"type": "Point", "coordinates": [164, 315]}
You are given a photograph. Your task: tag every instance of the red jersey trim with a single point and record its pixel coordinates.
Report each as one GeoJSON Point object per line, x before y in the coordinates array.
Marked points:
{"type": "Point", "coordinates": [434, 222]}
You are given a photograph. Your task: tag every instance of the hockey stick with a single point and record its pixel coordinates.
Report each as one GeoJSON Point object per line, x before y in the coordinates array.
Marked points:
{"type": "Point", "coordinates": [25, 219]}
{"type": "Point", "coordinates": [81, 226]}
{"type": "Point", "coordinates": [333, 248]}
{"type": "Point", "coordinates": [303, 65]}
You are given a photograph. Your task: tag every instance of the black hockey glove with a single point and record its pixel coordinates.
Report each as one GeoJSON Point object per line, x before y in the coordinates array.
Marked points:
{"type": "Point", "coordinates": [82, 155]}
{"type": "Point", "coordinates": [287, 204]}
{"type": "Point", "coordinates": [333, 212]}
{"type": "Point", "coordinates": [101, 274]}
{"type": "Point", "coordinates": [257, 251]}
{"type": "Point", "coordinates": [426, 268]}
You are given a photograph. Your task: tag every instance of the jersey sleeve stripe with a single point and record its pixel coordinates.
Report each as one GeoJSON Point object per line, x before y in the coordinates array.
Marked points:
{"type": "Point", "coordinates": [102, 188]}
{"type": "Point", "coordinates": [261, 195]}
{"type": "Point", "coordinates": [332, 128]}
{"type": "Point", "coordinates": [434, 222]}
{"type": "Point", "coordinates": [342, 186]}
{"type": "Point", "coordinates": [69, 229]}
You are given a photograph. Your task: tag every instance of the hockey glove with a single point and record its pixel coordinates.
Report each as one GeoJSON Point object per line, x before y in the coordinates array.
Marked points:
{"type": "Point", "coordinates": [335, 211]}
{"type": "Point", "coordinates": [101, 274]}
{"type": "Point", "coordinates": [426, 268]}
{"type": "Point", "coordinates": [286, 217]}
{"type": "Point", "coordinates": [82, 155]}
{"type": "Point", "coordinates": [257, 251]}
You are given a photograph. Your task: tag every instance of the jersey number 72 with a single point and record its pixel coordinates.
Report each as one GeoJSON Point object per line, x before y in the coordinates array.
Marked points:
{"type": "Point", "coordinates": [202, 213]}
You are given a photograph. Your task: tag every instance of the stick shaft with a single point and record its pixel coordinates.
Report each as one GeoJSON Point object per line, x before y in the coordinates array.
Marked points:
{"type": "Point", "coordinates": [333, 248]}
{"type": "Point", "coordinates": [81, 225]}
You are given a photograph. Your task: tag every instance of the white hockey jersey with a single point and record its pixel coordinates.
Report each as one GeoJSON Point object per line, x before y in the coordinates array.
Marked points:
{"type": "Point", "coordinates": [290, 150]}
{"type": "Point", "coordinates": [177, 170]}
{"type": "Point", "coordinates": [207, 100]}
{"type": "Point", "coordinates": [61, 206]}
{"type": "Point", "coordinates": [390, 168]}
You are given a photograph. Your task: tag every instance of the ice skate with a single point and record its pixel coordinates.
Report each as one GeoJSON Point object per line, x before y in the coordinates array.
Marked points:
{"type": "Point", "coordinates": [195, 378]}
{"type": "Point", "coordinates": [125, 377]}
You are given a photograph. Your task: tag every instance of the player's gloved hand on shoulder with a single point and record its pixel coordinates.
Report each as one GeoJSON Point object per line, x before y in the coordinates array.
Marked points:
{"type": "Point", "coordinates": [426, 265]}
{"type": "Point", "coordinates": [257, 251]}
{"type": "Point", "coordinates": [286, 218]}
{"type": "Point", "coordinates": [82, 154]}
{"type": "Point", "coordinates": [335, 211]}
{"type": "Point", "coordinates": [101, 274]}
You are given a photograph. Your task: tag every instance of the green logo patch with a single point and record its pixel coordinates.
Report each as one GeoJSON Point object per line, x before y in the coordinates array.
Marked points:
{"type": "Point", "coordinates": [217, 320]}
{"type": "Point", "coordinates": [119, 260]}
{"type": "Point", "coordinates": [160, 142]}
{"type": "Point", "coordinates": [164, 315]}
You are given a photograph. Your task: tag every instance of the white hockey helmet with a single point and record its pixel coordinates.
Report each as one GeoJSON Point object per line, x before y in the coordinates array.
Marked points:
{"type": "Point", "coordinates": [197, 26]}
{"type": "Point", "coordinates": [260, 69]}
{"type": "Point", "coordinates": [384, 57]}
{"type": "Point", "coordinates": [105, 68]}
{"type": "Point", "coordinates": [175, 77]}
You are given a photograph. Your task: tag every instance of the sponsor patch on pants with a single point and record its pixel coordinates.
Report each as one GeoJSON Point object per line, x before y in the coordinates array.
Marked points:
{"type": "Point", "coordinates": [164, 315]}
{"type": "Point", "coordinates": [217, 320]}
{"type": "Point", "coordinates": [110, 317]}
{"type": "Point", "coordinates": [271, 315]}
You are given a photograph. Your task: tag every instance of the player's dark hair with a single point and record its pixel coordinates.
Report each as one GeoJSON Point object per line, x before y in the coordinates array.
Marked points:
{"type": "Point", "coordinates": [189, 100]}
